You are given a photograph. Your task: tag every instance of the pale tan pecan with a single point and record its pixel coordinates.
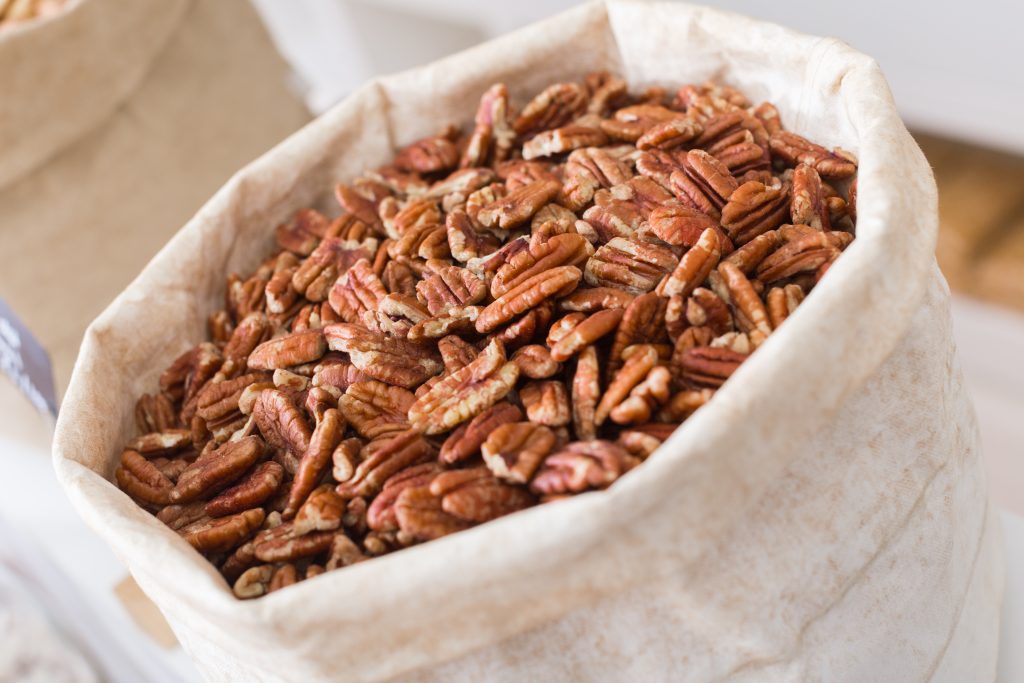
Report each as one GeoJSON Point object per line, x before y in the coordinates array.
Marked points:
{"type": "Point", "coordinates": [659, 165]}
{"type": "Point", "coordinates": [475, 495]}
{"type": "Point", "coordinates": [585, 333]}
{"type": "Point", "coordinates": [750, 310]}
{"type": "Point", "coordinates": [301, 233]}
{"type": "Point", "coordinates": [559, 250]}
{"type": "Point", "coordinates": [755, 209]}
{"type": "Point", "coordinates": [803, 254]}
{"type": "Point", "coordinates": [142, 480]}
{"type": "Point", "coordinates": [514, 450]}
{"type": "Point", "coordinates": [669, 134]}
{"type": "Point", "coordinates": [420, 515]}
{"type": "Point", "coordinates": [343, 553]}
{"type": "Point", "coordinates": [644, 398]}
{"type": "Point", "coordinates": [316, 460]}
{"type": "Point", "coordinates": [447, 287]}
{"type": "Point", "coordinates": [376, 409]}
{"type": "Point", "coordinates": [782, 301]}
{"type": "Point", "coordinates": [424, 241]}
{"type": "Point", "coordinates": [357, 291]}
{"type": "Point", "coordinates": [253, 582]}
{"type": "Point", "coordinates": [586, 390]}
{"type": "Point", "coordinates": [428, 155]}
{"type": "Point", "coordinates": [466, 392]}
{"type": "Point", "coordinates": [643, 321]}
{"type": "Point", "coordinates": [380, 516]}
{"type": "Point", "coordinates": [639, 444]}
{"type": "Point", "coordinates": [257, 486]}
{"type": "Point", "coordinates": [639, 360]}
{"type": "Point", "coordinates": [519, 205]}
{"type": "Point", "coordinates": [630, 265]}
{"type": "Point", "coordinates": [216, 471]}
{"type": "Point", "coordinates": [794, 149]}
{"type": "Point", "coordinates": [704, 308]}
{"type": "Point", "coordinates": [555, 106]}
{"type": "Point", "coordinates": [704, 366]}
{"type": "Point", "coordinates": [528, 294]}
{"type": "Point", "coordinates": [518, 173]}
{"type": "Point", "coordinates": [493, 136]}
{"type": "Point", "coordinates": [224, 533]}
{"type": "Point", "coordinates": [393, 455]}
{"type": "Point", "coordinates": [466, 440]}
{"type": "Point", "coordinates": [456, 353]}
{"type": "Point", "coordinates": [322, 510]}
{"type": "Point", "coordinates": [582, 465]}
{"type": "Point", "coordinates": [593, 299]}
{"type": "Point", "coordinates": [562, 140]}
{"type": "Point", "coordinates": [161, 443]}
{"type": "Point", "coordinates": [630, 123]}
{"type": "Point", "coordinates": [394, 361]}
{"type": "Point", "coordinates": [588, 170]}
{"type": "Point", "coordinates": [289, 350]}
{"type": "Point", "coordinates": [457, 320]}
{"type": "Point", "coordinates": [535, 361]}
{"type": "Point", "coordinates": [740, 342]}
{"type": "Point", "coordinates": [282, 424]}
{"type": "Point", "coordinates": [546, 403]}
{"type": "Point", "coordinates": [284, 575]}
{"type": "Point", "coordinates": [552, 219]}
{"type": "Point", "coordinates": [155, 413]}
{"type": "Point", "coordinates": [396, 315]}
{"type": "Point", "coordinates": [279, 293]}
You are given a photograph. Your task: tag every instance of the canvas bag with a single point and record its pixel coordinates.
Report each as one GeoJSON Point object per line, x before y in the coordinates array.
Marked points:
{"type": "Point", "coordinates": [824, 518]}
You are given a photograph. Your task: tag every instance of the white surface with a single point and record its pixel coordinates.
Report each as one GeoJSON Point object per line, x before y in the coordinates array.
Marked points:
{"type": "Point", "coordinates": [954, 67]}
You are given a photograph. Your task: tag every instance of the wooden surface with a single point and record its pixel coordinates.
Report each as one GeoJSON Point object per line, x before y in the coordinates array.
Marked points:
{"type": "Point", "coordinates": [981, 216]}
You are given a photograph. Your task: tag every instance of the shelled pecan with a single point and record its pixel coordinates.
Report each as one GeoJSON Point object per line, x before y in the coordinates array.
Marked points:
{"type": "Point", "coordinates": [496, 319]}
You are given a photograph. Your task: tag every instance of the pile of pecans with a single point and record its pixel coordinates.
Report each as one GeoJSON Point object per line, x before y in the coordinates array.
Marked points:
{"type": "Point", "coordinates": [493, 321]}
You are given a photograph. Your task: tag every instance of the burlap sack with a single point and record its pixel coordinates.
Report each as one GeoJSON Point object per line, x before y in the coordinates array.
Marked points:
{"type": "Point", "coordinates": [824, 518]}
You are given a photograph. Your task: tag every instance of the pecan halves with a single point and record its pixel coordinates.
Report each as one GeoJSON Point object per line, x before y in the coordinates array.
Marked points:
{"type": "Point", "coordinates": [705, 366]}
{"type": "Point", "coordinates": [782, 301]}
{"type": "Point", "coordinates": [808, 205]}
{"type": "Point", "coordinates": [586, 391]}
{"type": "Point", "coordinates": [466, 392]}
{"type": "Point", "coordinates": [639, 360]}
{"type": "Point", "coordinates": [546, 403]}
{"type": "Point", "coordinates": [467, 439]}
{"type": "Point", "coordinates": [526, 295]}
{"type": "Point", "coordinates": [387, 359]}
{"type": "Point", "coordinates": [586, 332]}
{"type": "Point", "coordinates": [315, 460]}
{"type": "Point", "coordinates": [448, 287]}
{"type": "Point", "coordinates": [803, 254]}
{"type": "Point", "coordinates": [493, 136]}
{"type": "Point", "coordinates": [560, 250]}
{"type": "Point", "coordinates": [322, 510]}
{"type": "Point", "coordinates": [380, 516]}
{"type": "Point", "coordinates": [141, 479]}
{"type": "Point", "coordinates": [561, 140]}
{"type": "Point", "coordinates": [519, 205]}
{"type": "Point", "coordinates": [755, 208]}
{"type": "Point", "coordinates": [420, 515]}
{"type": "Point", "coordinates": [582, 465]}
{"type": "Point", "coordinates": [750, 310]}
{"type": "Point", "coordinates": [515, 450]}
{"type": "Point", "coordinates": [555, 106]}
{"type": "Point", "coordinates": [475, 495]}
{"type": "Point", "coordinates": [281, 422]}
{"type": "Point", "coordinates": [289, 350]}
{"type": "Point", "coordinates": [224, 533]}
{"type": "Point", "coordinates": [632, 266]}
{"type": "Point", "coordinates": [794, 149]}
{"type": "Point", "coordinates": [357, 291]}
{"type": "Point", "coordinates": [218, 469]}
{"type": "Point", "coordinates": [375, 409]}
{"type": "Point", "coordinates": [395, 454]}
{"type": "Point", "coordinates": [257, 487]}
{"type": "Point", "coordinates": [694, 267]}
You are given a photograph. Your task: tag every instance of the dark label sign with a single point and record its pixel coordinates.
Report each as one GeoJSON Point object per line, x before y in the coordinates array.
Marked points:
{"type": "Point", "coordinates": [25, 361]}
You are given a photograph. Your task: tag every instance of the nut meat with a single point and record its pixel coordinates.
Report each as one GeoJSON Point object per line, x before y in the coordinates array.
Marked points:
{"type": "Point", "coordinates": [506, 315]}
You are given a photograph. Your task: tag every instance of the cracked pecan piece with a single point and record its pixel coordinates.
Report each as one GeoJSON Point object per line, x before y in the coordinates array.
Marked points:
{"type": "Point", "coordinates": [475, 495]}
{"type": "Point", "coordinates": [515, 450]}
{"type": "Point", "coordinates": [519, 205]}
{"type": "Point", "coordinates": [561, 140]}
{"type": "Point", "coordinates": [540, 256]}
{"type": "Point", "coordinates": [546, 403]}
{"type": "Point", "coordinates": [395, 454]}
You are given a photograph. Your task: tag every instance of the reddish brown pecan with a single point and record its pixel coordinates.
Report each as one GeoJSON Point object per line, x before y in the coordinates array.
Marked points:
{"type": "Point", "coordinates": [289, 350]}
{"type": "Point", "coordinates": [519, 205]}
{"type": "Point", "coordinates": [555, 106]}
{"type": "Point", "coordinates": [588, 170]}
{"type": "Point", "coordinates": [562, 140]}
{"type": "Point", "coordinates": [642, 321]}
{"type": "Point", "coordinates": [301, 234]}
{"type": "Point", "coordinates": [447, 287]}
{"type": "Point", "coordinates": [380, 516]}
{"type": "Point", "coordinates": [546, 403]}
{"type": "Point", "coordinates": [528, 294]}
{"type": "Point", "coordinates": [514, 451]}
{"type": "Point", "coordinates": [634, 267]}
{"type": "Point", "coordinates": [709, 367]}
{"type": "Point", "coordinates": [582, 465]}
{"type": "Point", "coordinates": [257, 486]}
{"type": "Point", "coordinates": [322, 510]}
{"type": "Point", "coordinates": [465, 441]}
{"type": "Point", "coordinates": [586, 390]}
{"type": "Point", "coordinates": [694, 267]}
{"type": "Point", "coordinates": [390, 360]}
{"type": "Point", "coordinates": [316, 460]}
{"type": "Point", "coordinates": [782, 301]}
{"type": "Point", "coordinates": [141, 479]}
{"type": "Point", "coordinates": [585, 333]}
{"type": "Point", "coordinates": [535, 361]}
{"type": "Point", "coordinates": [155, 413]}
{"type": "Point", "coordinates": [803, 254]}
{"type": "Point", "coordinates": [680, 226]}
{"type": "Point", "coordinates": [465, 242]}
{"type": "Point", "coordinates": [223, 534]}
{"type": "Point", "coordinates": [357, 291]}
{"type": "Point", "coordinates": [466, 392]}
{"type": "Point", "coordinates": [475, 495]}
{"type": "Point", "coordinates": [560, 250]}
{"type": "Point", "coordinates": [639, 360]}
{"type": "Point", "coordinates": [493, 136]}
{"type": "Point", "coordinates": [332, 258]}
{"type": "Point", "coordinates": [429, 155]}
{"type": "Point", "coordinates": [794, 150]}
{"type": "Point", "coordinates": [375, 409]}
{"type": "Point", "coordinates": [420, 515]}
{"type": "Point", "coordinates": [281, 422]}
{"type": "Point", "coordinates": [395, 454]}
{"type": "Point", "coordinates": [215, 471]}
